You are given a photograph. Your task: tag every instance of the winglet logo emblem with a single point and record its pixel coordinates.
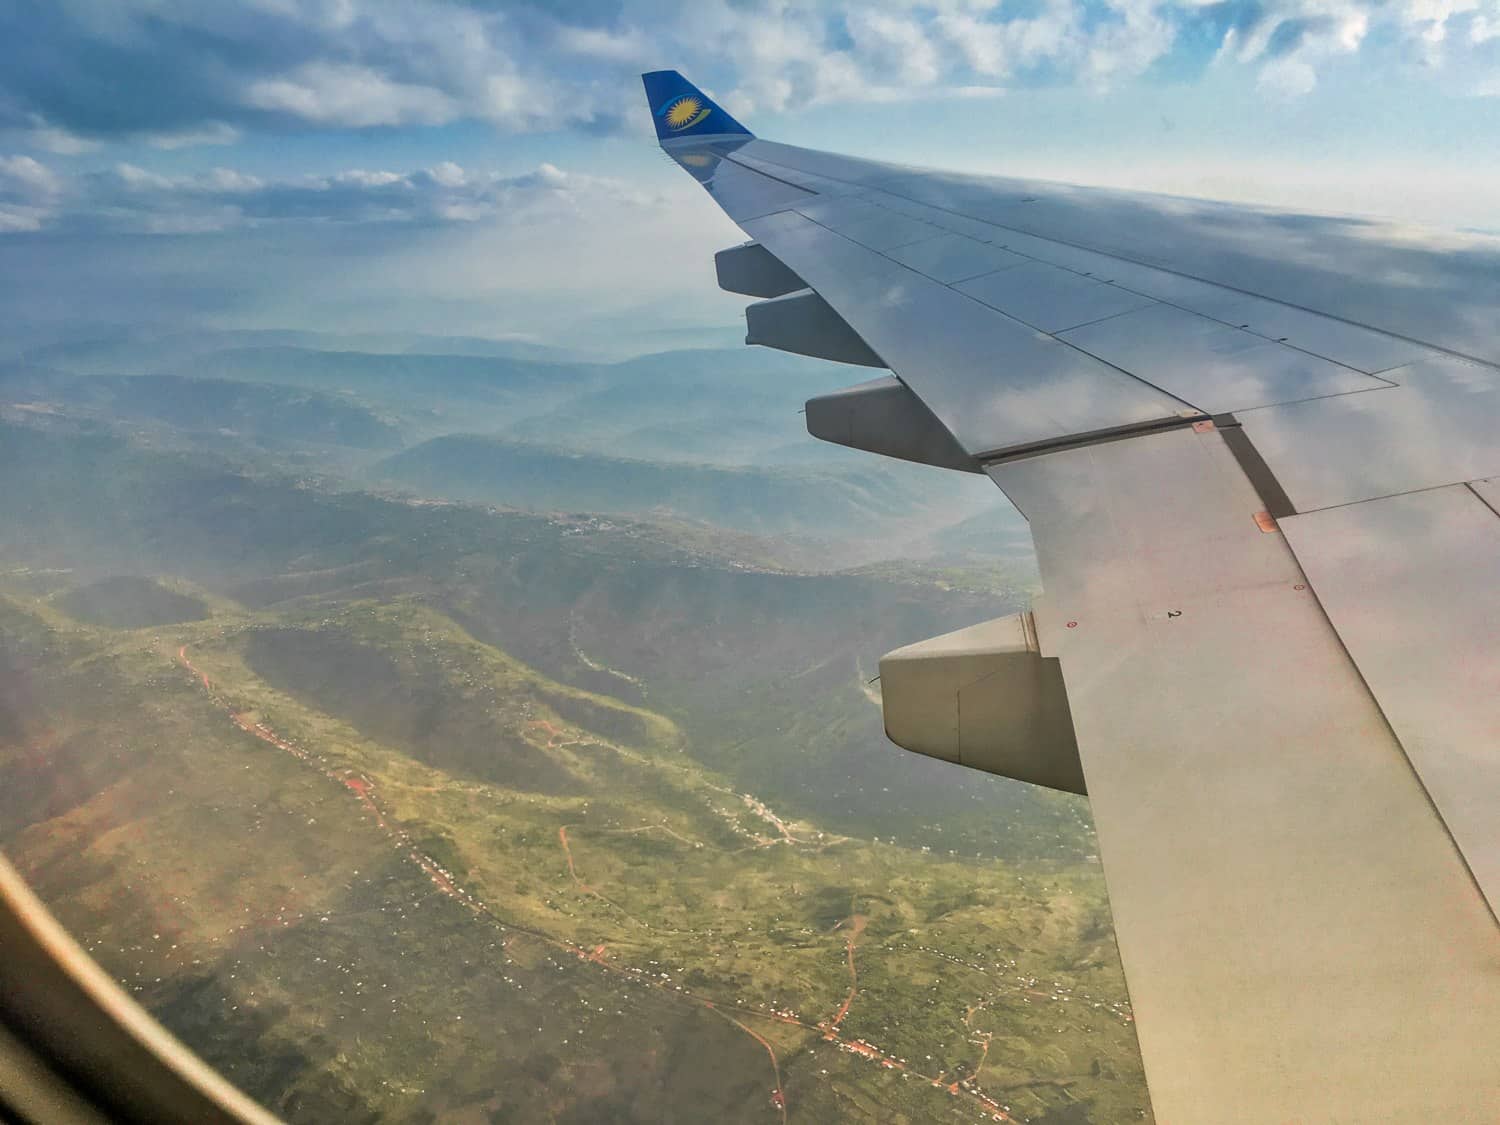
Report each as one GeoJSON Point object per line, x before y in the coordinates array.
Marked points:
{"type": "Point", "coordinates": [683, 112]}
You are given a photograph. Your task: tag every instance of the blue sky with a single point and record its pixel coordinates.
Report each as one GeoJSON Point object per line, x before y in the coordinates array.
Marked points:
{"type": "Point", "coordinates": [487, 167]}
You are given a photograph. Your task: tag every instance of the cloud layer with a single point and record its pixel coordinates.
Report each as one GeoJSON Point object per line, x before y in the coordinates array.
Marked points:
{"type": "Point", "coordinates": [130, 199]}
{"type": "Point", "coordinates": [98, 96]}
{"type": "Point", "coordinates": [77, 72]}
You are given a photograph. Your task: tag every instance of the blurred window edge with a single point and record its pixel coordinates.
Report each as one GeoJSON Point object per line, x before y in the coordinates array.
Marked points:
{"type": "Point", "coordinates": [75, 1048]}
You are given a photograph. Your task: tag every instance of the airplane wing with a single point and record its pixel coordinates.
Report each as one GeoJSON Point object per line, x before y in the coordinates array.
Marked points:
{"type": "Point", "coordinates": [1259, 459]}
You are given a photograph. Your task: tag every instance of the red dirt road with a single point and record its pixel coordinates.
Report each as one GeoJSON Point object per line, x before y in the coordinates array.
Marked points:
{"type": "Point", "coordinates": [778, 1096]}
{"type": "Point", "coordinates": [188, 664]}
{"type": "Point", "coordinates": [365, 792]}
{"type": "Point", "coordinates": [856, 927]}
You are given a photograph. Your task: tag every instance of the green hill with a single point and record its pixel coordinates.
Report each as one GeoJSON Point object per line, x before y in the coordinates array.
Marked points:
{"type": "Point", "coordinates": [435, 378]}
{"type": "Point", "coordinates": [134, 351]}
{"type": "Point", "coordinates": [857, 502]}
{"type": "Point", "coordinates": [264, 414]}
{"type": "Point", "coordinates": [126, 602]}
{"type": "Point", "coordinates": [707, 436]}
{"type": "Point", "coordinates": [451, 813]}
{"type": "Point", "coordinates": [351, 931]}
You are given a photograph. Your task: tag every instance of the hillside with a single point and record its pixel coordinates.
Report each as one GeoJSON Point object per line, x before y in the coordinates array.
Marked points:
{"type": "Point", "coordinates": [708, 436]}
{"type": "Point", "coordinates": [693, 420]}
{"type": "Point", "coordinates": [401, 809]}
{"type": "Point", "coordinates": [129, 602]}
{"type": "Point", "coordinates": [138, 349]}
{"type": "Point", "coordinates": [208, 409]}
{"type": "Point", "coordinates": [405, 377]}
{"type": "Point", "coordinates": [352, 928]}
{"type": "Point", "coordinates": [852, 502]}
{"type": "Point", "coordinates": [572, 595]}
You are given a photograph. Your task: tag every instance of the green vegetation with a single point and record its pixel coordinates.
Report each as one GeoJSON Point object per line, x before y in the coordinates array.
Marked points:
{"type": "Point", "coordinates": [211, 409]}
{"type": "Point", "coordinates": [849, 501]}
{"type": "Point", "coordinates": [125, 602]}
{"type": "Point", "coordinates": [712, 437]}
{"type": "Point", "coordinates": [642, 878]}
{"type": "Point", "coordinates": [411, 811]}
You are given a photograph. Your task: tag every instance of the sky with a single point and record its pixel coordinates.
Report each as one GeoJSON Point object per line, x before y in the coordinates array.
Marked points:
{"type": "Point", "coordinates": [488, 168]}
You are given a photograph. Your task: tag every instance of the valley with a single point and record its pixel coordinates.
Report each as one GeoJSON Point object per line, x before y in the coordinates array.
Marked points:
{"type": "Point", "coordinates": [401, 809]}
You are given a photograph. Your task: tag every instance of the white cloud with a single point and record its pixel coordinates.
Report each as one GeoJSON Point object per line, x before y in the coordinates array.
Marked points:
{"type": "Point", "coordinates": [135, 178]}
{"type": "Point", "coordinates": [49, 138]}
{"type": "Point", "coordinates": [448, 174]}
{"type": "Point", "coordinates": [28, 178]}
{"type": "Point", "coordinates": [128, 197]}
{"type": "Point", "coordinates": [209, 133]}
{"type": "Point", "coordinates": [895, 45]}
{"type": "Point", "coordinates": [629, 46]}
{"type": "Point", "coordinates": [1287, 77]}
{"type": "Point", "coordinates": [1427, 20]}
{"type": "Point", "coordinates": [345, 94]}
{"type": "Point", "coordinates": [999, 48]}
{"type": "Point", "coordinates": [14, 219]}
{"type": "Point", "coordinates": [1292, 40]}
{"type": "Point", "coordinates": [28, 193]}
{"type": "Point", "coordinates": [273, 64]}
{"type": "Point", "coordinates": [1125, 47]}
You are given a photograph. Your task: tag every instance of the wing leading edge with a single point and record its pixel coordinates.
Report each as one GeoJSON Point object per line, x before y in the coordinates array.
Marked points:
{"type": "Point", "coordinates": [1255, 454]}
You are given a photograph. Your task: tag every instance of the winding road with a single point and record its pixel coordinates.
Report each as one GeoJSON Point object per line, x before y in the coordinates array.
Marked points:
{"type": "Point", "coordinates": [364, 790]}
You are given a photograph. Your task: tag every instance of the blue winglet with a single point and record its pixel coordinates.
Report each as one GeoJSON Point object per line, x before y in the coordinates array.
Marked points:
{"type": "Point", "coordinates": [680, 109]}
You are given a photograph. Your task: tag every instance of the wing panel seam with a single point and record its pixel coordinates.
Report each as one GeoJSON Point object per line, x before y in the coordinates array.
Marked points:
{"type": "Point", "coordinates": [1164, 269]}
{"type": "Point", "coordinates": [1199, 412]}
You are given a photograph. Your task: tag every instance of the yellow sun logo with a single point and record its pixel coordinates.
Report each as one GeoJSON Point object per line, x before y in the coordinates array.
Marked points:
{"type": "Point", "coordinates": [684, 113]}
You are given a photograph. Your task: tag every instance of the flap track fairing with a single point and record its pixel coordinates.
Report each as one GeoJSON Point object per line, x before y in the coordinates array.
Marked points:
{"type": "Point", "coordinates": [885, 416]}
{"type": "Point", "coordinates": [804, 323]}
{"type": "Point", "coordinates": [753, 270]}
{"type": "Point", "coordinates": [984, 697]}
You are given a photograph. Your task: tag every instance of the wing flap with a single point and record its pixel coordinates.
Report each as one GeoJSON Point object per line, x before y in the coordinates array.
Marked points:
{"type": "Point", "coordinates": [1401, 577]}
{"type": "Point", "coordinates": [1301, 937]}
{"type": "Point", "coordinates": [1435, 426]}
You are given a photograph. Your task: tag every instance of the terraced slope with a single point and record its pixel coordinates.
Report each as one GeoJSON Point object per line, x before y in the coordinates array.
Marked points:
{"type": "Point", "coordinates": [403, 810]}
{"type": "Point", "coordinates": [351, 925]}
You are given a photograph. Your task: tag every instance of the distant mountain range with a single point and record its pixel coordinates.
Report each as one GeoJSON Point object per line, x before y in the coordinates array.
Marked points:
{"type": "Point", "coordinates": [845, 501]}
{"type": "Point", "coordinates": [717, 634]}
{"type": "Point", "coordinates": [130, 352]}
{"type": "Point", "coordinates": [266, 414]}
{"type": "Point", "coordinates": [709, 435]}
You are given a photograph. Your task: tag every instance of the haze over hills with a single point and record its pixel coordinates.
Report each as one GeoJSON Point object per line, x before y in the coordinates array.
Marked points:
{"type": "Point", "coordinates": [124, 351]}
{"type": "Point", "coordinates": [712, 436]}
{"type": "Point", "coordinates": [258, 413]}
{"type": "Point", "coordinates": [398, 808]}
{"type": "Point", "coordinates": [845, 501]}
